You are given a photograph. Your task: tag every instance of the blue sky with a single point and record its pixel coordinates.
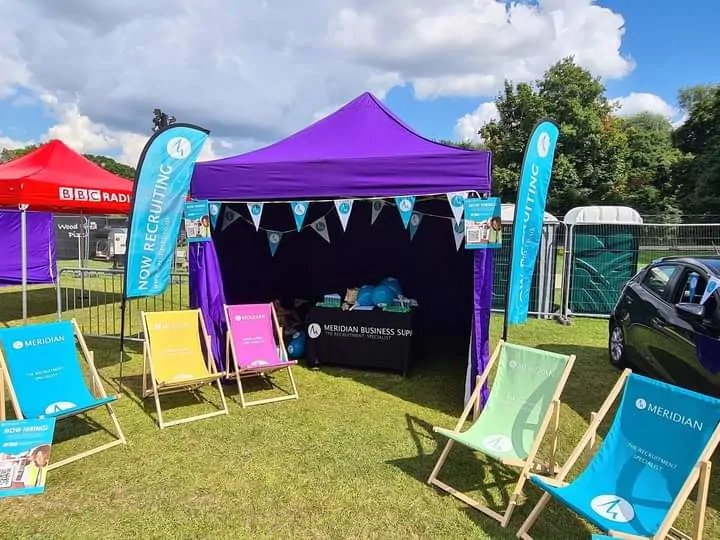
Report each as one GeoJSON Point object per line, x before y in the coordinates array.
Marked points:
{"type": "Point", "coordinates": [92, 79]}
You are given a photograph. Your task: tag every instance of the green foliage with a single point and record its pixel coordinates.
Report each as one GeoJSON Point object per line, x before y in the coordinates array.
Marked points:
{"type": "Point", "coordinates": [124, 171]}
{"type": "Point", "coordinates": [605, 159]}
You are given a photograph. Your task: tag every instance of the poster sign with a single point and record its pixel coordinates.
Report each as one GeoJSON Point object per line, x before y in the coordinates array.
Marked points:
{"type": "Point", "coordinates": [483, 224]}
{"type": "Point", "coordinates": [24, 456]}
{"type": "Point", "coordinates": [197, 221]}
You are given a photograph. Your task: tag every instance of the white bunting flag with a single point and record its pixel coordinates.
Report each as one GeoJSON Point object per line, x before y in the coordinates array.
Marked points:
{"type": "Point", "coordinates": [377, 206]}
{"type": "Point", "coordinates": [230, 216]}
{"type": "Point", "coordinates": [344, 207]}
{"type": "Point", "coordinates": [459, 232]}
{"type": "Point", "coordinates": [415, 220]}
{"type": "Point", "coordinates": [320, 227]}
{"type": "Point", "coordinates": [299, 210]}
{"type": "Point", "coordinates": [274, 238]}
{"type": "Point", "coordinates": [710, 288]}
{"type": "Point", "coordinates": [457, 203]}
{"type": "Point", "coordinates": [405, 206]}
{"type": "Point", "coordinates": [256, 210]}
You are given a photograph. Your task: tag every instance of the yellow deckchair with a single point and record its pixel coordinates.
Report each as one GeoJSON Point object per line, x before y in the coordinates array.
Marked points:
{"type": "Point", "coordinates": [173, 359]}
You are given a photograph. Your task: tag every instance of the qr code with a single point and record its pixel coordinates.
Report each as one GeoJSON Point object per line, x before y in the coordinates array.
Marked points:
{"type": "Point", "coordinates": [473, 236]}
{"type": "Point", "coordinates": [7, 472]}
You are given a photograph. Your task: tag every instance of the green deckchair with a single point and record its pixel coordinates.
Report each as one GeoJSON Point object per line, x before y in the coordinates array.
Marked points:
{"type": "Point", "coordinates": [524, 398]}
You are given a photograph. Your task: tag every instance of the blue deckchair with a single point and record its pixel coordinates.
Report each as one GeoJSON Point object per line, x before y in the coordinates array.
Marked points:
{"type": "Point", "coordinates": [657, 449]}
{"type": "Point", "coordinates": [40, 366]}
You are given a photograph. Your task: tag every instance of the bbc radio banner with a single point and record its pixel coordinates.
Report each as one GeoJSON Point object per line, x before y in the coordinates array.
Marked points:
{"type": "Point", "coordinates": [161, 186]}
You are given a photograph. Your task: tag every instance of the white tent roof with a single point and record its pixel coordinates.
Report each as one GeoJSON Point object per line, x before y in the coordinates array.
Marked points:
{"type": "Point", "coordinates": [603, 214]}
{"type": "Point", "coordinates": [508, 213]}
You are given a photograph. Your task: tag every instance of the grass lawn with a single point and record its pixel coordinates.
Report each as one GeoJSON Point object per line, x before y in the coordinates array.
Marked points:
{"type": "Point", "coordinates": [348, 460]}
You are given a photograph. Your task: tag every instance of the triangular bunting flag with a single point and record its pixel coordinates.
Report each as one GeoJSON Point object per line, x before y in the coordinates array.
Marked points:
{"type": "Point", "coordinates": [459, 232]}
{"type": "Point", "coordinates": [377, 206]}
{"type": "Point", "coordinates": [274, 238]}
{"type": "Point", "coordinates": [457, 203]}
{"type": "Point", "coordinates": [320, 227]}
{"type": "Point", "coordinates": [214, 213]}
{"type": "Point", "coordinates": [415, 220]}
{"type": "Point", "coordinates": [710, 288]}
{"type": "Point", "coordinates": [344, 207]}
{"type": "Point", "coordinates": [230, 216]}
{"type": "Point", "coordinates": [405, 206]}
{"type": "Point", "coordinates": [299, 210]}
{"type": "Point", "coordinates": [256, 210]}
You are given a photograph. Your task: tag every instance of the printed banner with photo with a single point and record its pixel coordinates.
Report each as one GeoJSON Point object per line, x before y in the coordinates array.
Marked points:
{"type": "Point", "coordinates": [25, 456]}
{"type": "Point", "coordinates": [483, 224]}
{"type": "Point", "coordinates": [197, 221]}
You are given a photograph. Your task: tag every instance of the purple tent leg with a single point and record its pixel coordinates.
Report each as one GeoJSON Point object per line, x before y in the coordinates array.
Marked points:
{"type": "Point", "coordinates": [483, 276]}
{"type": "Point", "coordinates": [207, 293]}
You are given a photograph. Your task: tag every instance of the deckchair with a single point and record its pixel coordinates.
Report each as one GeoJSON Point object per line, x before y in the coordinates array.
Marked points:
{"type": "Point", "coordinates": [174, 360]}
{"type": "Point", "coordinates": [39, 364]}
{"type": "Point", "coordinates": [657, 449]}
{"type": "Point", "coordinates": [523, 400]}
{"type": "Point", "coordinates": [256, 345]}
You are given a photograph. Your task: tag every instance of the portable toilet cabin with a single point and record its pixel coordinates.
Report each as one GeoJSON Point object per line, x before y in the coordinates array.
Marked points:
{"type": "Point", "coordinates": [542, 288]}
{"type": "Point", "coordinates": [601, 255]}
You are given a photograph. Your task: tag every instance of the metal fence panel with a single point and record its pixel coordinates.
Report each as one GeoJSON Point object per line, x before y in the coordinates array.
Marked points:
{"type": "Point", "coordinates": [600, 258]}
{"type": "Point", "coordinates": [93, 297]}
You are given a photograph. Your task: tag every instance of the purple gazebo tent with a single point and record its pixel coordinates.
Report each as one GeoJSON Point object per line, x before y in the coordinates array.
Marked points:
{"type": "Point", "coordinates": [41, 260]}
{"type": "Point", "coordinates": [359, 152]}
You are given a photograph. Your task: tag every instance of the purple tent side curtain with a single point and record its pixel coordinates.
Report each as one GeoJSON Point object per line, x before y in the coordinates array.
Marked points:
{"type": "Point", "coordinates": [483, 276]}
{"type": "Point", "coordinates": [41, 256]}
{"type": "Point", "coordinates": [207, 293]}
{"type": "Point", "coordinates": [360, 151]}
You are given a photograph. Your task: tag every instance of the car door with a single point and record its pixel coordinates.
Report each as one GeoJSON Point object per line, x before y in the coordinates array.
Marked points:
{"type": "Point", "coordinates": [650, 314]}
{"type": "Point", "coordinates": [694, 350]}
{"type": "Point", "coordinates": [679, 357]}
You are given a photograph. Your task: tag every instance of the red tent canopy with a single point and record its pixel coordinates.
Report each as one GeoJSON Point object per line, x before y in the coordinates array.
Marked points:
{"type": "Point", "coordinates": [54, 178]}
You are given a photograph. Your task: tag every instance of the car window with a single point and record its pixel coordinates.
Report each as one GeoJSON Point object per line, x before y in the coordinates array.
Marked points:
{"type": "Point", "coordinates": [692, 287]}
{"type": "Point", "coordinates": [657, 280]}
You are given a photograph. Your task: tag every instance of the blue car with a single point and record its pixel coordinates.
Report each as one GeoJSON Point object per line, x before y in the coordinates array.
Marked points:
{"type": "Point", "coordinates": [665, 325]}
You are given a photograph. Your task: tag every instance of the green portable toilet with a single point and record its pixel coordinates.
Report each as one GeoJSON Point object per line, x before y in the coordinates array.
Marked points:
{"type": "Point", "coordinates": [602, 250]}
{"type": "Point", "coordinates": [542, 288]}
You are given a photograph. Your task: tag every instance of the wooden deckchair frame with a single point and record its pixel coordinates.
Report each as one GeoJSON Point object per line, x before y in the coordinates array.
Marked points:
{"type": "Point", "coordinates": [239, 374]}
{"type": "Point", "coordinates": [156, 390]}
{"type": "Point", "coordinates": [96, 389]}
{"type": "Point", "coordinates": [700, 475]}
{"type": "Point", "coordinates": [531, 464]}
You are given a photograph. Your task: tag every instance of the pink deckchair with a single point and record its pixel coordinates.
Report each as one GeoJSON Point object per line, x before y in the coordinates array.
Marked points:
{"type": "Point", "coordinates": [255, 344]}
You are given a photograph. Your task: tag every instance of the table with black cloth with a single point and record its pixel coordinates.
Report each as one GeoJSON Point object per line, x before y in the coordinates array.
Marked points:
{"type": "Point", "coordinates": [372, 339]}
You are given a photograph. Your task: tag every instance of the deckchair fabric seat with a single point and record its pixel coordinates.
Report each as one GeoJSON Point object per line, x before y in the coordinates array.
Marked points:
{"type": "Point", "coordinates": [177, 356]}
{"type": "Point", "coordinates": [523, 398]}
{"type": "Point", "coordinates": [255, 347]}
{"type": "Point", "coordinates": [656, 450]}
{"type": "Point", "coordinates": [41, 369]}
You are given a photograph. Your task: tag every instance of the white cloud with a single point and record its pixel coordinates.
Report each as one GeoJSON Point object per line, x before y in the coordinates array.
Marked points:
{"type": "Point", "coordinates": [11, 144]}
{"type": "Point", "coordinates": [254, 72]}
{"type": "Point", "coordinates": [637, 102]}
{"type": "Point", "coordinates": [467, 126]}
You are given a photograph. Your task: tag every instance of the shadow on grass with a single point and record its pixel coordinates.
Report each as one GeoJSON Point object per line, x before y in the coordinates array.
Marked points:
{"type": "Point", "coordinates": [464, 470]}
{"type": "Point", "coordinates": [436, 379]}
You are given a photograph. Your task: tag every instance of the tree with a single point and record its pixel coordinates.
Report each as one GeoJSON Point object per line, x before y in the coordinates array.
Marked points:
{"type": "Point", "coordinates": [697, 175]}
{"type": "Point", "coordinates": [591, 157]}
{"type": "Point", "coordinates": [651, 159]}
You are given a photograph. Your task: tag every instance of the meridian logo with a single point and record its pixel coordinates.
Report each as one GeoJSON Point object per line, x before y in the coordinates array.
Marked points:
{"type": "Point", "coordinates": [543, 144]}
{"type": "Point", "coordinates": [613, 508]}
{"type": "Point", "coordinates": [250, 317]}
{"type": "Point", "coordinates": [314, 331]}
{"type": "Point", "coordinates": [666, 414]}
{"type": "Point", "coordinates": [17, 345]}
{"type": "Point", "coordinates": [179, 148]}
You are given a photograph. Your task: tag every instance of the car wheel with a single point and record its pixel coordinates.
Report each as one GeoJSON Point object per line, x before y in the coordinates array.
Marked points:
{"type": "Point", "coordinates": [616, 346]}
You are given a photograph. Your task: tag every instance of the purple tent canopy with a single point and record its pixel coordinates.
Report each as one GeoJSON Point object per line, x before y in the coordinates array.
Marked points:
{"type": "Point", "coordinates": [361, 150]}
{"type": "Point", "coordinates": [41, 262]}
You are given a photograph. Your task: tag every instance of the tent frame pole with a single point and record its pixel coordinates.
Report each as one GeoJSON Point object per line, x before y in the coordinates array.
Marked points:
{"type": "Point", "coordinates": [23, 264]}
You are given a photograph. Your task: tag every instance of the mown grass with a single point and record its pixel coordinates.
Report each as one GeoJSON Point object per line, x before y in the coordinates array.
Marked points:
{"type": "Point", "coordinates": [348, 460]}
